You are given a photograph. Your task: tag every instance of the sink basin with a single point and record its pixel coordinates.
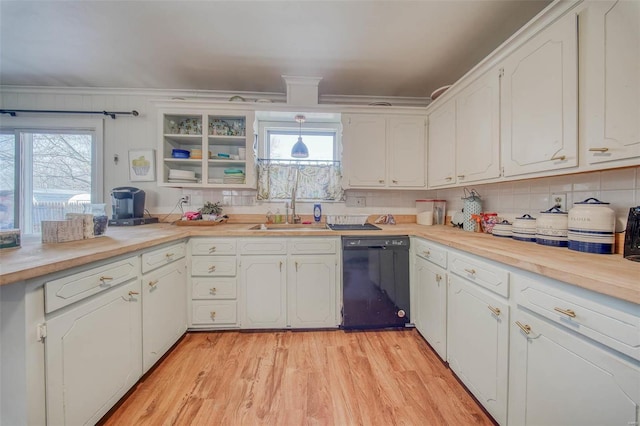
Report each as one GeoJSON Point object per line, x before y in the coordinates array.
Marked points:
{"type": "Point", "coordinates": [290, 227]}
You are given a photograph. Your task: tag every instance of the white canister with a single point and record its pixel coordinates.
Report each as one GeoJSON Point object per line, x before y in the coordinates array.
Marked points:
{"type": "Point", "coordinates": [524, 228]}
{"type": "Point", "coordinates": [502, 229]}
{"type": "Point", "coordinates": [592, 227]}
{"type": "Point", "coordinates": [551, 228]}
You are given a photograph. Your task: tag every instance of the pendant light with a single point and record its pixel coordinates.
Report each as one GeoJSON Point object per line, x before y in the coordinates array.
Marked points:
{"type": "Point", "coordinates": [299, 149]}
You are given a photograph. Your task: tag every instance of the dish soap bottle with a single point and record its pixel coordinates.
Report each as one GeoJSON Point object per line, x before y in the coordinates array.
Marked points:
{"type": "Point", "coordinates": [317, 212]}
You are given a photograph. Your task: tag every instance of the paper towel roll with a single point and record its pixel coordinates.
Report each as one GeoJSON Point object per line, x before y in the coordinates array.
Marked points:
{"type": "Point", "coordinates": [425, 218]}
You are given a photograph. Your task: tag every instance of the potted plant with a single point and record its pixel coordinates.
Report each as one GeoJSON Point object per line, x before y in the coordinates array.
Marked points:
{"type": "Point", "coordinates": [210, 211]}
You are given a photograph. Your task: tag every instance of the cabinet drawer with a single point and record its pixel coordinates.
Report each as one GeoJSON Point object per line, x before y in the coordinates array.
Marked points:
{"type": "Point", "coordinates": [214, 288]}
{"type": "Point", "coordinates": [608, 325]}
{"type": "Point", "coordinates": [482, 273]}
{"type": "Point", "coordinates": [213, 246]}
{"type": "Point", "coordinates": [156, 258]}
{"type": "Point", "coordinates": [67, 290]}
{"type": "Point", "coordinates": [205, 312]}
{"type": "Point", "coordinates": [313, 245]}
{"type": "Point", "coordinates": [213, 266]}
{"type": "Point", "coordinates": [263, 246]}
{"type": "Point", "coordinates": [431, 252]}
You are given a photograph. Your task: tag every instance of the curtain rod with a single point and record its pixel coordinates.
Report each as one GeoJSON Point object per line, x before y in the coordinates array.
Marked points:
{"type": "Point", "coordinates": [112, 114]}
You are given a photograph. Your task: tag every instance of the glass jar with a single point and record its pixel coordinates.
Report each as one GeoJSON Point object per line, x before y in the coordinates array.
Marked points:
{"type": "Point", "coordinates": [100, 219]}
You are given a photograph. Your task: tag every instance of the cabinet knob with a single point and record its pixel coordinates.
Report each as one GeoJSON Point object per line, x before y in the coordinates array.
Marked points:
{"type": "Point", "coordinates": [496, 311]}
{"type": "Point", "coordinates": [438, 277]}
{"type": "Point", "coordinates": [212, 249]}
{"type": "Point", "coordinates": [394, 181]}
{"type": "Point", "coordinates": [213, 314]}
{"type": "Point", "coordinates": [213, 290]}
{"type": "Point", "coordinates": [558, 158]}
{"type": "Point", "coordinates": [524, 327]}
{"type": "Point", "coordinates": [448, 178]}
{"type": "Point", "coordinates": [168, 255]}
{"type": "Point", "coordinates": [567, 312]}
{"type": "Point", "coordinates": [212, 268]}
{"type": "Point", "coordinates": [470, 271]}
{"type": "Point", "coordinates": [426, 253]}
{"type": "Point", "coordinates": [460, 176]}
{"type": "Point", "coordinates": [380, 180]}
{"type": "Point", "coordinates": [153, 283]}
{"type": "Point", "coordinates": [598, 149]}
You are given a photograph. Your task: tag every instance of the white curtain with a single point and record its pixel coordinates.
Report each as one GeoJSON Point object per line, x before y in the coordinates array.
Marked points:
{"type": "Point", "coordinates": [321, 181]}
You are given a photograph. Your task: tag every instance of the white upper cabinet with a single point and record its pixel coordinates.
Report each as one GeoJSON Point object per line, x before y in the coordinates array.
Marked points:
{"type": "Point", "coordinates": [539, 102]}
{"type": "Point", "coordinates": [441, 163]}
{"type": "Point", "coordinates": [464, 135]}
{"type": "Point", "coordinates": [610, 80]}
{"type": "Point", "coordinates": [478, 130]}
{"type": "Point", "coordinates": [383, 151]}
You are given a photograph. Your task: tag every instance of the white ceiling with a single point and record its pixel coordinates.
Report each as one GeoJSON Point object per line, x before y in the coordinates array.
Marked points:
{"type": "Point", "coordinates": [366, 47]}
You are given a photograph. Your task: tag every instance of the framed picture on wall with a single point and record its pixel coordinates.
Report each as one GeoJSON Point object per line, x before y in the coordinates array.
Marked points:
{"type": "Point", "coordinates": [142, 165]}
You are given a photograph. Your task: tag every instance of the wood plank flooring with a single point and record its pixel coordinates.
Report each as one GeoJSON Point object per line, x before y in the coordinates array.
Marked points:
{"type": "Point", "coordinates": [300, 378]}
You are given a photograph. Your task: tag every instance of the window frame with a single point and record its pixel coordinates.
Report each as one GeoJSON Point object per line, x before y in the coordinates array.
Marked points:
{"type": "Point", "coordinates": [265, 127]}
{"type": "Point", "coordinates": [18, 125]}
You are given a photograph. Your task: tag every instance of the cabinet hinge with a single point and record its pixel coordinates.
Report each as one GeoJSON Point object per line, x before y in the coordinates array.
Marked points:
{"type": "Point", "coordinates": [41, 332]}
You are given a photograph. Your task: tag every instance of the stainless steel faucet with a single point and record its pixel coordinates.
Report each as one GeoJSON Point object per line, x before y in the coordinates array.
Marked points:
{"type": "Point", "coordinates": [294, 217]}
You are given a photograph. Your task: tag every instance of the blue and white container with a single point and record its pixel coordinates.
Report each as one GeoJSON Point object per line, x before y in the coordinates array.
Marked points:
{"type": "Point", "coordinates": [592, 225]}
{"type": "Point", "coordinates": [551, 228]}
{"type": "Point", "coordinates": [524, 228]}
{"type": "Point", "coordinates": [317, 212]}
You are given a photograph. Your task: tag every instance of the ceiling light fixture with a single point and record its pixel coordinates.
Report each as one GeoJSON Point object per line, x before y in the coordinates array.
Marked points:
{"type": "Point", "coordinates": [299, 149]}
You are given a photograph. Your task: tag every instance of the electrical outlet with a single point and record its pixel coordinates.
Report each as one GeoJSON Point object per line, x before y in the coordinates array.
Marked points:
{"type": "Point", "coordinates": [560, 201]}
{"type": "Point", "coordinates": [185, 200]}
{"type": "Point", "coordinates": [360, 201]}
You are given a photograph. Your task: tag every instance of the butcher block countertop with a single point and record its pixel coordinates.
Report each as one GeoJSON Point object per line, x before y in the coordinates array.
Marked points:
{"type": "Point", "coordinates": [611, 275]}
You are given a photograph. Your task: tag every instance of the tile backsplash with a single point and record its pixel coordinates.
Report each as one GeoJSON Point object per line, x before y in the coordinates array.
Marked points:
{"type": "Point", "coordinates": [620, 187]}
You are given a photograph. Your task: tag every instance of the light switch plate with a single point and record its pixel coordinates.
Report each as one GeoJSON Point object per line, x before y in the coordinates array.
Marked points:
{"type": "Point", "coordinates": [560, 201]}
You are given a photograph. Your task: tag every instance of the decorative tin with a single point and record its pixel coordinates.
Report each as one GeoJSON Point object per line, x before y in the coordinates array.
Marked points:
{"type": "Point", "coordinates": [592, 227]}
{"type": "Point", "coordinates": [551, 228]}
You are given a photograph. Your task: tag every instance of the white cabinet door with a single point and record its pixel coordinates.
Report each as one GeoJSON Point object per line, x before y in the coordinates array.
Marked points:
{"type": "Point", "coordinates": [93, 355]}
{"type": "Point", "coordinates": [431, 304]}
{"type": "Point", "coordinates": [164, 310]}
{"type": "Point", "coordinates": [263, 291]}
{"type": "Point", "coordinates": [364, 150]}
{"type": "Point", "coordinates": [441, 143]}
{"type": "Point", "coordinates": [539, 102]}
{"type": "Point", "coordinates": [557, 378]}
{"type": "Point", "coordinates": [312, 291]}
{"type": "Point", "coordinates": [610, 80]}
{"type": "Point", "coordinates": [477, 339]}
{"type": "Point", "coordinates": [478, 130]}
{"type": "Point", "coordinates": [406, 148]}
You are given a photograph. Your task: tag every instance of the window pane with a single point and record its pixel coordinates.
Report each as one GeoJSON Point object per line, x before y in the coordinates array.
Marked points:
{"type": "Point", "coordinates": [320, 145]}
{"type": "Point", "coordinates": [60, 175]}
{"type": "Point", "coordinates": [7, 180]}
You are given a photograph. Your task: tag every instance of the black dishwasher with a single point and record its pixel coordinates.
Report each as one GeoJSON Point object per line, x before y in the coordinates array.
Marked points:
{"type": "Point", "coordinates": [375, 282]}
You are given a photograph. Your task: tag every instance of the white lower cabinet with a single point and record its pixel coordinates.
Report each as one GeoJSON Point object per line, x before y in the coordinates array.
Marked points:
{"type": "Point", "coordinates": [93, 355]}
{"type": "Point", "coordinates": [311, 287]}
{"type": "Point", "coordinates": [557, 378]}
{"type": "Point", "coordinates": [430, 317]}
{"type": "Point", "coordinates": [478, 343]}
{"type": "Point", "coordinates": [164, 310]}
{"type": "Point", "coordinates": [263, 287]}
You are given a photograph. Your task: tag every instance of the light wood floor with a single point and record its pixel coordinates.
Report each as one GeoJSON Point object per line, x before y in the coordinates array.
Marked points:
{"type": "Point", "coordinates": [300, 378]}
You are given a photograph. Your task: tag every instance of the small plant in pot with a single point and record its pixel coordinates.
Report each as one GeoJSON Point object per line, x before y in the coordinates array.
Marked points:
{"type": "Point", "coordinates": [210, 211]}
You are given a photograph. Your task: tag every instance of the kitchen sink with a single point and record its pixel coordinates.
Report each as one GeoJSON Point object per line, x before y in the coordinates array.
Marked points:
{"type": "Point", "coordinates": [290, 227]}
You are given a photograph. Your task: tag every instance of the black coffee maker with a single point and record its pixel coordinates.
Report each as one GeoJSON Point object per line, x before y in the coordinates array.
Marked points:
{"type": "Point", "coordinates": [632, 235]}
{"type": "Point", "coordinates": [127, 206]}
